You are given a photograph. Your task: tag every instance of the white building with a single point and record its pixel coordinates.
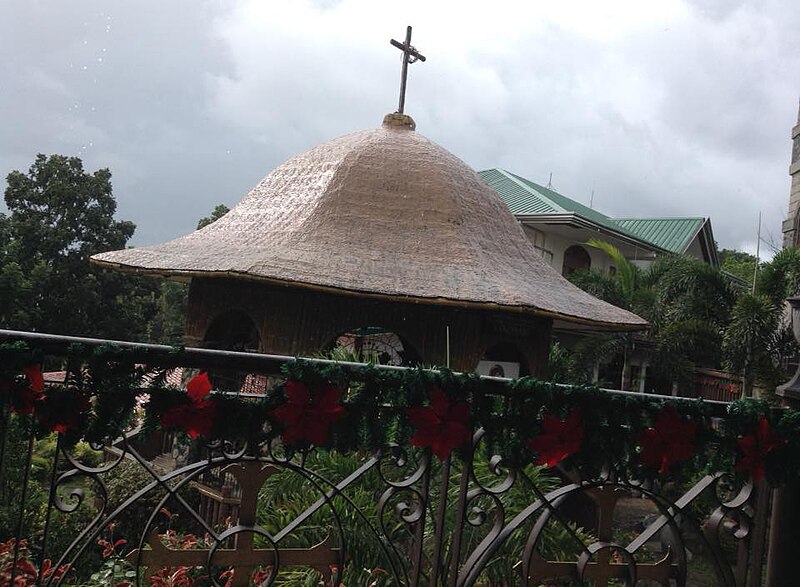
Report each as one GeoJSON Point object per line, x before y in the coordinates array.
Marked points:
{"type": "Point", "coordinates": [559, 227]}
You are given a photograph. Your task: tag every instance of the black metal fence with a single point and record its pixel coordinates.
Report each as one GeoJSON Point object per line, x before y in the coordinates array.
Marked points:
{"type": "Point", "coordinates": [153, 507]}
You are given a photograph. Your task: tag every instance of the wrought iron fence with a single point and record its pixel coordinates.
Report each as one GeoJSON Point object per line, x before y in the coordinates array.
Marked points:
{"type": "Point", "coordinates": [152, 507]}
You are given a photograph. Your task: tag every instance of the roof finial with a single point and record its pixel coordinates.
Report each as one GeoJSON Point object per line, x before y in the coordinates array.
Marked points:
{"type": "Point", "coordinates": [410, 55]}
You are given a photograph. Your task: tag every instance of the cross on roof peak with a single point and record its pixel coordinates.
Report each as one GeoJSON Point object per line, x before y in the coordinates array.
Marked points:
{"type": "Point", "coordinates": [410, 55]}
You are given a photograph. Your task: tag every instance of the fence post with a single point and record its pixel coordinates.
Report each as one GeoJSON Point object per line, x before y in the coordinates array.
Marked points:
{"type": "Point", "coordinates": [784, 534]}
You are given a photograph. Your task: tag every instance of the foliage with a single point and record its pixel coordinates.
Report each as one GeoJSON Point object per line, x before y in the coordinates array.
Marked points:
{"type": "Point", "coordinates": [738, 263]}
{"type": "Point", "coordinates": [288, 494]}
{"type": "Point", "coordinates": [374, 408]}
{"type": "Point", "coordinates": [601, 285]}
{"type": "Point", "coordinates": [628, 274]}
{"type": "Point", "coordinates": [753, 339]}
{"type": "Point", "coordinates": [699, 316]}
{"type": "Point", "coordinates": [560, 365]}
{"type": "Point", "coordinates": [688, 289]}
{"type": "Point", "coordinates": [219, 211]}
{"type": "Point", "coordinates": [375, 403]}
{"type": "Point", "coordinates": [780, 278]}
{"type": "Point", "coordinates": [60, 215]}
{"type": "Point", "coordinates": [169, 321]}
{"type": "Point", "coordinates": [26, 572]}
{"type": "Point", "coordinates": [128, 478]}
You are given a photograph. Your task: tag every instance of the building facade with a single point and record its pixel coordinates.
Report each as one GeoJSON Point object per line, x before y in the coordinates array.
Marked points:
{"type": "Point", "coordinates": [559, 228]}
{"type": "Point", "coordinates": [791, 226]}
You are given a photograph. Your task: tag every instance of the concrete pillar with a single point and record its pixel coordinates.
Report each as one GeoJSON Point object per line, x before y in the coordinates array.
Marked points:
{"type": "Point", "coordinates": [642, 377]}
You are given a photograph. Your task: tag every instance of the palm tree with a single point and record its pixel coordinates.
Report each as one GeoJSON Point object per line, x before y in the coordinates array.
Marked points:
{"type": "Point", "coordinates": [752, 340]}
{"type": "Point", "coordinates": [687, 303]}
{"type": "Point", "coordinates": [758, 340]}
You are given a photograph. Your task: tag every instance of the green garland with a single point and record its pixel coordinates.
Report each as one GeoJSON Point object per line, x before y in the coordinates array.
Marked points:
{"type": "Point", "coordinates": [369, 408]}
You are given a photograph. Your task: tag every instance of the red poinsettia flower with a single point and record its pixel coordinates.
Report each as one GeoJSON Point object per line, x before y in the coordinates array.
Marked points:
{"type": "Point", "coordinates": [197, 417]}
{"type": "Point", "coordinates": [66, 417]}
{"type": "Point", "coordinates": [558, 439]}
{"type": "Point", "coordinates": [25, 401]}
{"type": "Point", "coordinates": [442, 426]}
{"type": "Point", "coordinates": [669, 441]}
{"type": "Point", "coordinates": [199, 387]}
{"type": "Point", "coordinates": [308, 412]}
{"type": "Point", "coordinates": [755, 447]}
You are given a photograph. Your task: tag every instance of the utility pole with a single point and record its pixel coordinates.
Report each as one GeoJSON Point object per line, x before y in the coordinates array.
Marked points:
{"type": "Point", "coordinates": [758, 252]}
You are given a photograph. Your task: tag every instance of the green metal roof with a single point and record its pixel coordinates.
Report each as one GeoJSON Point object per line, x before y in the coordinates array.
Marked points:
{"type": "Point", "coordinates": [673, 234]}
{"type": "Point", "coordinates": [526, 198]}
{"type": "Point", "coordinates": [520, 197]}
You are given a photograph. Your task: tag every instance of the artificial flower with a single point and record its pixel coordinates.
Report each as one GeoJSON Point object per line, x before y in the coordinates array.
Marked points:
{"type": "Point", "coordinates": [63, 410]}
{"type": "Point", "coordinates": [308, 412]}
{"type": "Point", "coordinates": [24, 401]}
{"type": "Point", "coordinates": [558, 439]}
{"type": "Point", "coordinates": [755, 447]}
{"type": "Point", "coordinates": [442, 426]}
{"type": "Point", "coordinates": [195, 418]}
{"type": "Point", "coordinates": [199, 387]}
{"type": "Point", "coordinates": [668, 442]}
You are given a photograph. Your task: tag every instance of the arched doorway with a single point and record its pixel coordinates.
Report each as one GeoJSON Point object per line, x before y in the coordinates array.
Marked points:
{"type": "Point", "coordinates": [576, 259]}
{"type": "Point", "coordinates": [372, 344]}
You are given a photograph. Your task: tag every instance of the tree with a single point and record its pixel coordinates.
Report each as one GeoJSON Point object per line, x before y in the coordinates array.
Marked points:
{"type": "Point", "coordinates": [169, 323]}
{"type": "Point", "coordinates": [759, 341]}
{"type": "Point", "coordinates": [738, 263]}
{"type": "Point", "coordinates": [780, 278]}
{"type": "Point", "coordinates": [753, 340]}
{"type": "Point", "coordinates": [217, 213]}
{"type": "Point", "coordinates": [59, 217]}
{"type": "Point", "coordinates": [687, 303]}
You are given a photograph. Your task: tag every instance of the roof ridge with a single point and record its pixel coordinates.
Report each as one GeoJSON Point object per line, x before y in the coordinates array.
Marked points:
{"type": "Point", "coordinates": [659, 218]}
{"type": "Point", "coordinates": [523, 183]}
{"type": "Point", "coordinates": [574, 208]}
{"type": "Point", "coordinates": [699, 229]}
{"type": "Point", "coordinates": [581, 208]}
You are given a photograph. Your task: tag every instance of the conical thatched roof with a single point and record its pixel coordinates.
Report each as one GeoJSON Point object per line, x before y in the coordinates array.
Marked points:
{"type": "Point", "coordinates": [381, 212]}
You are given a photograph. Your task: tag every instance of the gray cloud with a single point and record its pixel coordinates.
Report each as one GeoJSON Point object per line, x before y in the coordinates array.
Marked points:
{"type": "Point", "coordinates": [669, 108]}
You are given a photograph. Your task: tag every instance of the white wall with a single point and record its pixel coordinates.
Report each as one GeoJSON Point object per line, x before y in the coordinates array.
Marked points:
{"type": "Point", "coordinates": [557, 244]}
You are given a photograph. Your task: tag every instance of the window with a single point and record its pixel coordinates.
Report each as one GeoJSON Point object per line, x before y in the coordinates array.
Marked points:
{"type": "Point", "coordinates": [372, 344]}
{"type": "Point", "coordinates": [576, 259]}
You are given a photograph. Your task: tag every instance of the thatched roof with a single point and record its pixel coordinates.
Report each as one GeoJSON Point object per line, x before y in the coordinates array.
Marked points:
{"type": "Point", "coordinates": [381, 212]}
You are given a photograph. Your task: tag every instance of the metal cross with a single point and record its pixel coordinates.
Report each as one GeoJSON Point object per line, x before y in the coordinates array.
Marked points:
{"type": "Point", "coordinates": [410, 55]}
{"type": "Point", "coordinates": [244, 558]}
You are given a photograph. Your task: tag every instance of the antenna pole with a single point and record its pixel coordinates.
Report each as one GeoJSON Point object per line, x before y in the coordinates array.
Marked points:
{"type": "Point", "coordinates": [758, 252]}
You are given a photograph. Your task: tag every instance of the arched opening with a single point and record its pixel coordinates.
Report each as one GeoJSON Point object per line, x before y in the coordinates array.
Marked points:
{"type": "Point", "coordinates": [234, 331]}
{"type": "Point", "coordinates": [372, 344]}
{"type": "Point", "coordinates": [576, 259]}
{"type": "Point", "coordinates": [504, 360]}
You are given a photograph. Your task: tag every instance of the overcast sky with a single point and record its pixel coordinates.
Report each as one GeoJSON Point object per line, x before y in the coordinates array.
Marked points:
{"type": "Point", "coordinates": [673, 108]}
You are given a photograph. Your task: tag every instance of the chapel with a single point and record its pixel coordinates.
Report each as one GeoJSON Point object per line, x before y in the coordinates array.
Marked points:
{"type": "Point", "coordinates": [379, 229]}
{"type": "Point", "coordinates": [379, 237]}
